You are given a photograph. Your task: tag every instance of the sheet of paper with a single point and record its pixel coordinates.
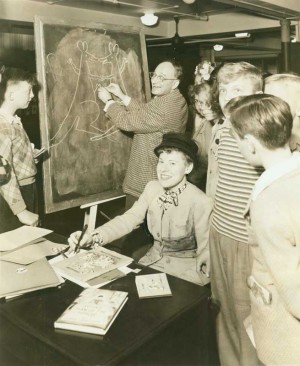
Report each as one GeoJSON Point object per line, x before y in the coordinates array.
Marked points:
{"type": "Point", "coordinates": [34, 252]}
{"type": "Point", "coordinates": [23, 235]}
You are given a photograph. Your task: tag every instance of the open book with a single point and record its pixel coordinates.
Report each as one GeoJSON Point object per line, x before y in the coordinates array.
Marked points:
{"type": "Point", "coordinates": [152, 285]}
{"type": "Point", "coordinates": [93, 311]}
{"type": "Point", "coordinates": [88, 265]}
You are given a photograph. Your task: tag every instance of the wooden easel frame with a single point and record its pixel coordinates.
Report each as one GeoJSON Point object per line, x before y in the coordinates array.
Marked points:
{"type": "Point", "coordinates": [91, 212]}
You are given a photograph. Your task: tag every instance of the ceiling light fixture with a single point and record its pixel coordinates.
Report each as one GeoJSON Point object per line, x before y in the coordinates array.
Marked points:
{"type": "Point", "coordinates": [149, 19]}
{"type": "Point", "coordinates": [189, 1]}
{"type": "Point", "coordinates": [243, 35]}
{"type": "Point", "coordinates": [218, 47]}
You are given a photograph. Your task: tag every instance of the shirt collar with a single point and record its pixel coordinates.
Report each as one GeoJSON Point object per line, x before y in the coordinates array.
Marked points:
{"type": "Point", "coordinates": [227, 123]}
{"type": "Point", "coordinates": [275, 172]}
{"type": "Point", "coordinates": [11, 119]}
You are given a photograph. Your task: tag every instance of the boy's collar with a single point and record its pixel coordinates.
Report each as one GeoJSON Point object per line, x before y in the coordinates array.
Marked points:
{"type": "Point", "coordinates": [274, 173]}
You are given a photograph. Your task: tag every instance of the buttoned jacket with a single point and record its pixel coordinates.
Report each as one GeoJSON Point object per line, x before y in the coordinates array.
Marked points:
{"type": "Point", "coordinates": [275, 244]}
{"type": "Point", "coordinates": [212, 157]}
{"type": "Point", "coordinates": [180, 231]}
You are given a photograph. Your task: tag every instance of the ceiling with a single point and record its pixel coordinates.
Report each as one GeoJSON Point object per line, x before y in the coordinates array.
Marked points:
{"type": "Point", "coordinates": [166, 9]}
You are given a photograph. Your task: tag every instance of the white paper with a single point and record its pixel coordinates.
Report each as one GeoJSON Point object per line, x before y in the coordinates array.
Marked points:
{"type": "Point", "coordinates": [23, 235]}
{"type": "Point", "coordinates": [34, 252]}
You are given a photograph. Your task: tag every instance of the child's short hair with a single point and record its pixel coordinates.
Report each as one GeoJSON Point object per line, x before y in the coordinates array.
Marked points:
{"type": "Point", "coordinates": [282, 78]}
{"type": "Point", "coordinates": [285, 80]}
{"type": "Point", "coordinates": [11, 76]}
{"type": "Point", "coordinates": [233, 70]}
{"type": "Point", "coordinates": [266, 117]}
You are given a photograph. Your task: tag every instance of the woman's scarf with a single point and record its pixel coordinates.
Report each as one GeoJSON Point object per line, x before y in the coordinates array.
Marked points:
{"type": "Point", "coordinates": [170, 197]}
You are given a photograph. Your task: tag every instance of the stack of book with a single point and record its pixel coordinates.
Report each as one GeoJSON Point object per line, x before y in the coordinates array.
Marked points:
{"type": "Point", "coordinates": [18, 279]}
{"type": "Point", "coordinates": [23, 264]}
{"type": "Point", "coordinates": [93, 311]}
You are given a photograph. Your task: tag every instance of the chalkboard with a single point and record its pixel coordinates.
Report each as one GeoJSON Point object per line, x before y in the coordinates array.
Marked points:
{"type": "Point", "coordinates": [88, 155]}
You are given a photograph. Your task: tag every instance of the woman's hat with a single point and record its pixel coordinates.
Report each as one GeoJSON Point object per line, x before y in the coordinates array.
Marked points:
{"type": "Point", "coordinates": [179, 141]}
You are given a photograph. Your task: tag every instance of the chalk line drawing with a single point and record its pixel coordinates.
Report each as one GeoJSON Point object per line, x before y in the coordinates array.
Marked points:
{"type": "Point", "coordinates": [82, 115]}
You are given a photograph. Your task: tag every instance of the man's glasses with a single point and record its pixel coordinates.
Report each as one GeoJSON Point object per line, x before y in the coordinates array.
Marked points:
{"type": "Point", "coordinates": [158, 77]}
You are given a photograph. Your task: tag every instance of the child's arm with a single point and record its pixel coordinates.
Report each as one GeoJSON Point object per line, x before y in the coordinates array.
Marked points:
{"type": "Point", "coordinates": [11, 190]}
{"type": "Point", "coordinates": [279, 244]}
{"type": "Point", "coordinates": [28, 218]}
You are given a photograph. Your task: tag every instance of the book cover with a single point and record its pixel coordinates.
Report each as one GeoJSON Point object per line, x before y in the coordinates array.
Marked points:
{"type": "Point", "coordinates": [152, 285]}
{"type": "Point", "coordinates": [18, 279]}
{"type": "Point", "coordinates": [90, 264]}
{"type": "Point", "coordinates": [93, 311]}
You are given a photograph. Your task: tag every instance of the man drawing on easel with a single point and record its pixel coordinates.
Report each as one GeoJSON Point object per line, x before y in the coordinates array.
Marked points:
{"type": "Point", "coordinates": [166, 112]}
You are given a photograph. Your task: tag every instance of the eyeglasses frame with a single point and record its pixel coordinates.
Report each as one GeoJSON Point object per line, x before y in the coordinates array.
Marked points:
{"type": "Point", "coordinates": [152, 75]}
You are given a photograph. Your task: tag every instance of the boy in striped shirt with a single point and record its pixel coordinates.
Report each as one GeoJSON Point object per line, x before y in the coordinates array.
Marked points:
{"type": "Point", "coordinates": [231, 259]}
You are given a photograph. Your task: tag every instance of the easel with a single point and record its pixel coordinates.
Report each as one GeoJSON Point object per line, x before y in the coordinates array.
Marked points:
{"type": "Point", "coordinates": [91, 212]}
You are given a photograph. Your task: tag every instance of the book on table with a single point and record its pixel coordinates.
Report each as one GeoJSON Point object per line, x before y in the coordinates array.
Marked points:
{"type": "Point", "coordinates": [18, 279]}
{"type": "Point", "coordinates": [152, 285]}
{"type": "Point", "coordinates": [93, 311]}
{"type": "Point", "coordinates": [86, 266]}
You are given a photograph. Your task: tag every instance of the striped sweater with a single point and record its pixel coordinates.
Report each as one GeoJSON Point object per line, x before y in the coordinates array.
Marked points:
{"type": "Point", "coordinates": [235, 184]}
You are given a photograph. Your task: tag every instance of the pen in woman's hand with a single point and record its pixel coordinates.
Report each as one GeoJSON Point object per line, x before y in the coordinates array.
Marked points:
{"type": "Point", "coordinates": [77, 248]}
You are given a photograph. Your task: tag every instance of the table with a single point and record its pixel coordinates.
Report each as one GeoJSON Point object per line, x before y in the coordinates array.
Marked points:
{"type": "Point", "coordinates": [172, 330]}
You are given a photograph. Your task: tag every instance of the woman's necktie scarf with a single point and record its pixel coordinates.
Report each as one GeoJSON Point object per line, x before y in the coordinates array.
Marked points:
{"type": "Point", "coordinates": [170, 198]}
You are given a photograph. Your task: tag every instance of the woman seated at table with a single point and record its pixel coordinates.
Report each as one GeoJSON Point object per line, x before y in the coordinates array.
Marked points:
{"type": "Point", "coordinates": [178, 215]}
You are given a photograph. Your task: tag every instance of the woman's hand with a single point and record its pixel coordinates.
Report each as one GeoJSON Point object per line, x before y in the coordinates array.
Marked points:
{"type": "Point", "coordinates": [86, 240]}
{"type": "Point", "coordinates": [203, 264]}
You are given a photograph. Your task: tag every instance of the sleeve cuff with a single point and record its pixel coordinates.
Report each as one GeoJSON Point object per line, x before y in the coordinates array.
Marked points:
{"type": "Point", "coordinates": [110, 102]}
{"type": "Point", "coordinates": [126, 100]}
{"type": "Point", "coordinates": [18, 207]}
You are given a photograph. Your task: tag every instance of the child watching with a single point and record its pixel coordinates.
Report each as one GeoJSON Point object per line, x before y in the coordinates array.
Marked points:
{"type": "Point", "coordinates": [206, 115]}
{"type": "Point", "coordinates": [287, 87]}
{"type": "Point", "coordinates": [177, 215]}
{"type": "Point", "coordinates": [230, 255]}
{"type": "Point", "coordinates": [262, 125]}
{"type": "Point", "coordinates": [17, 197]}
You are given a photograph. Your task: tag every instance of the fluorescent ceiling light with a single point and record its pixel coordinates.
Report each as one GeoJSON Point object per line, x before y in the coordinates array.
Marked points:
{"type": "Point", "coordinates": [218, 47]}
{"type": "Point", "coordinates": [149, 19]}
{"type": "Point", "coordinates": [243, 35]}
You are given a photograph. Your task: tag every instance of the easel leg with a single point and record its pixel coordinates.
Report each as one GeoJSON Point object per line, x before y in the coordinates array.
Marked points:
{"type": "Point", "coordinates": [90, 218]}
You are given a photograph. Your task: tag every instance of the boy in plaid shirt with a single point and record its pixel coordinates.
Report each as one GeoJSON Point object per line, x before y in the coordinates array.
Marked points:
{"type": "Point", "coordinates": [18, 195]}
